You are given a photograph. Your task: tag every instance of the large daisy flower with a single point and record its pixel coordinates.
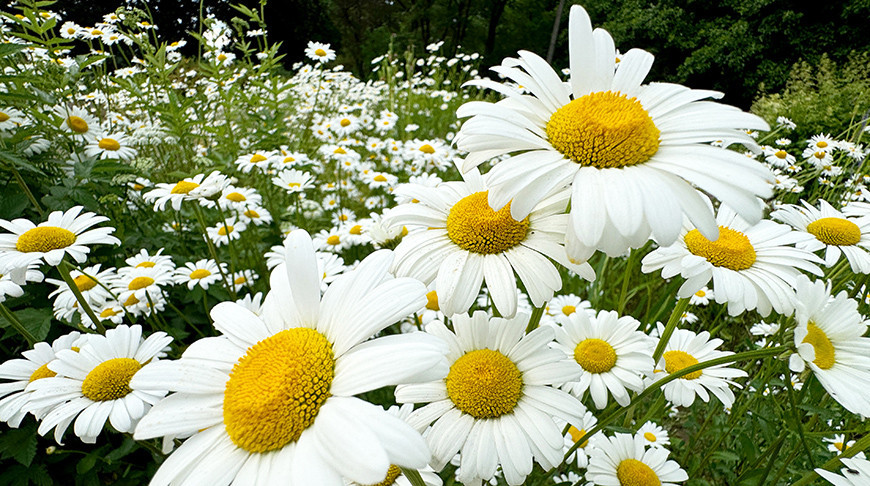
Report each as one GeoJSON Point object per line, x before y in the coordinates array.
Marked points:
{"type": "Point", "coordinates": [457, 240]}
{"type": "Point", "coordinates": [271, 400]}
{"type": "Point", "coordinates": [624, 459]}
{"type": "Point", "coordinates": [834, 232]}
{"type": "Point", "coordinates": [631, 152]}
{"type": "Point", "coordinates": [63, 233]}
{"type": "Point", "coordinates": [752, 266]}
{"type": "Point", "coordinates": [829, 340]}
{"type": "Point", "coordinates": [856, 472]}
{"type": "Point", "coordinates": [92, 384]}
{"type": "Point", "coordinates": [497, 405]}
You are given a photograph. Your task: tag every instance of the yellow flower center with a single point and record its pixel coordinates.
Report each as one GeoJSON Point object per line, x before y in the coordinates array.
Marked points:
{"type": "Point", "coordinates": [821, 144]}
{"type": "Point", "coordinates": [426, 149]}
{"type": "Point", "coordinates": [146, 265]}
{"type": "Point", "coordinates": [595, 355]}
{"type": "Point", "coordinates": [132, 300]}
{"type": "Point", "coordinates": [257, 158]}
{"type": "Point", "coordinates": [677, 360]}
{"type": "Point", "coordinates": [732, 250]}
{"type": "Point", "coordinates": [835, 231]}
{"type": "Point", "coordinates": [822, 345]}
{"type": "Point", "coordinates": [484, 384]}
{"type": "Point", "coordinates": [139, 283]}
{"type": "Point", "coordinates": [294, 184]}
{"type": "Point", "coordinates": [288, 160]}
{"type": "Point", "coordinates": [356, 230]}
{"type": "Point", "coordinates": [225, 230]}
{"type": "Point", "coordinates": [568, 310]}
{"type": "Point", "coordinates": [781, 154]}
{"type": "Point", "coordinates": [236, 197]}
{"type": "Point", "coordinates": [604, 130]}
{"type": "Point", "coordinates": [109, 144]}
{"type": "Point", "coordinates": [837, 445]}
{"type": "Point", "coordinates": [577, 434]}
{"type": "Point", "coordinates": [474, 226]}
{"type": "Point", "coordinates": [108, 313]}
{"type": "Point", "coordinates": [701, 293]}
{"type": "Point", "coordinates": [222, 57]}
{"type": "Point", "coordinates": [42, 372]}
{"type": "Point", "coordinates": [84, 283]}
{"type": "Point", "coordinates": [339, 151]}
{"type": "Point", "coordinates": [252, 214]}
{"type": "Point", "coordinates": [240, 280]}
{"type": "Point", "coordinates": [3, 117]}
{"type": "Point", "coordinates": [110, 380]}
{"type": "Point", "coordinates": [632, 472]}
{"type": "Point", "coordinates": [432, 301]}
{"type": "Point", "coordinates": [380, 178]}
{"type": "Point", "coordinates": [77, 124]}
{"type": "Point", "coordinates": [320, 52]}
{"type": "Point", "coordinates": [392, 474]}
{"type": "Point", "coordinates": [277, 388]}
{"type": "Point", "coordinates": [184, 187]}
{"type": "Point", "coordinates": [44, 239]}
{"type": "Point", "coordinates": [199, 273]}
{"type": "Point", "coordinates": [333, 240]}
{"type": "Point", "coordinates": [344, 122]}
{"type": "Point", "coordinates": [650, 436]}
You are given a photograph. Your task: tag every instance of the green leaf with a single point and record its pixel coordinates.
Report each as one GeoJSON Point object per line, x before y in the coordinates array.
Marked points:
{"type": "Point", "coordinates": [19, 444]}
{"type": "Point", "coordinates": [87, 463]}
{"type": "Point", "coordinates": [7, 49]}
{"type": "Point", "coordinates": [37, 321]}
{"type": "Point", "coordinates": [413, 477]}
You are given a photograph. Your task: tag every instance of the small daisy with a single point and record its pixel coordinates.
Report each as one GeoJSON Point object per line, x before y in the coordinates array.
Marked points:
{"type": "Point", "coordinates": [77, 121]}
{"type": "Point", "coordinates": [111, 146]}
{"type": "Point", "coordinates": [701, 297]}
{"type": "Point", "coordinates": [260, 159]}
{"type": "Point", "coordinates": [12, 288]}
{"type": "Point", "coordinates": [625, 460]}
{"type": "Point", "coordinates": [497, 405]}
{"type": "Point", "coordinates": [239, 198]}
{"type": "Point", "coordinates": [829, 341]}
{"type": "Point", "coordinates": [197, 187]}
{"type": "Point", "coordinates": [320, 52]}
{"type": "Point", "coordinates": [224, 231]}
{"type": "Point", "coordinates": [562, 306]}
{"type": "Point", "coordinates": [293, 180]}
{"type": "Point", "coordinates": [685, 349]}
{"type": "Point", "coordinates": [242, 279]}
{"type": "Point", "coordinates": [88, 283]}
{"type": "Point", "coordinates": [580, 456]}
{"type": "Point", "coordinates": [255, 215]}
{"type": "Point", "coordinates": [609, 351]}
{"type": "Point", "coordinates": [137, 286]}
{"type": "Point", "coordinates": [93, 384]}
{"type": "Point", "coordinates": [335, 240]}
{"type": "Point", "coordinates": [62, 233]}
{"type": "Point", "coordinates": [838, 444]}
{"type": "Point", "coordinates": [202, 273]}
{"type": "Point", "coordinates": [653, 435]}
{"type": "Point", "coordinates": [11, 119]}
{"type": "Point", "coordinates": [147, 260]}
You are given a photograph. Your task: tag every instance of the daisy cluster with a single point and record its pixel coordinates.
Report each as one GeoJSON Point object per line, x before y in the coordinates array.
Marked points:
{"type": "Point", "coordinates": [315, 279]}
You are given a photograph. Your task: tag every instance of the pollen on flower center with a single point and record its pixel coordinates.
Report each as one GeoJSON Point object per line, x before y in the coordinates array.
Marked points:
{"type": "Point", "coordinates": [392, 474]}
{"type": "Point", "coordinates": [84, 283]}
{"type": "Point", "coordinates": [677, 360]}
{"type": "Point", "coordinates": [822, 345]}
{"type": "Point", "coordinates": [333, 240]}
{"type": "Point", "coordinates": [109, 144]}
{"type": "Point", "coordinates": [426, 149]}
{"type": "Point", "coordinates": [835, 231]}
{"type": "Point", "coordinates": [252, 214]}
{"type": "Point", "coordinates": [568, 310]}
{"type": "Point", "coordinates": [604, 130]}
{"type": "Point", "coordinates": [184, 187]}
{"type": "Point", "coordinates": [475, 226]}
{"type": "Point", "coordinates": [595, 355]}
{"type": "Point", "coordinates": [577, 434]}
{"type": "Point", "coordinates": [632, 472]}
{"type": "Point", "coordinates": [77, 124]}
{"type": "Point", "coordinates": [236, 197]}
{"type": "Point", "coordinates": [432, 301]}
{"type": "Point", "coordinates": [257, 158]}
{"type": "Point", "coordinates": [139, 283]}
{"type": "Point", "coordinates": [41, 372]}
{"type": "Point", "coordinates": [732, 250]}
{"type": "Point", "coordinates": [649, 436]}
{"type": "Point", "coordinates": [110, 380]}
{"type": "Point", "coordinates": [320, 52]}
{"type": "Point", "coordinates": [225, 230]}
{"type": "Point", "coordinates": [484, 384]}
{"type": "Point", "coordinates": [199, 273]}
{"type": "Point", "coordinates": [3, 117]}
{"type": "Point", "coordinates": [277, 388]}
{"type": "Point", "coordinates": [44, 239]}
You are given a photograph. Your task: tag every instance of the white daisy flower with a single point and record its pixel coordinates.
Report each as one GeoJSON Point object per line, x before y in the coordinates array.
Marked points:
{"type": "Point", "coordinates": [631, 153]}
{"type": "Point", "coordinates": [93, 384]}
{"type": "Point", "coordinates": [293, 180]}
{"type": "Point", "coordinates": [239, 198]}
{"type": "Point", "coordinates": [580, 456]}
{"type": "Point", "coordinates": [62, 233]}
{"type": "Point", "coordinates": [242, 279]}
{"type": "Point", "coordinates": [609, 351]}
{"type": "Point", "coordinates": [320, 52]}
{"type": "Point", "coordinates": [136, 286]}
{"type": "Point", "coordinates": [77, 121]}
{"type": "Point", "coordinates": [335, 240]}
{"type": "Point", "coordinates": [111, 146]}
{"type": "Point", "coordinates": [653, 435]}
{"type": "Point", "coordinates": [12, 288]}
{"type": "Point", "coordinates": [11, 119]}
{"type": "Point", "coordinates": [752, 266]}
{"type": "Point", "coordinates": [625, 460]}
{"type": "Point", "coordinates": [145, 259]}
{"type": "Point", "coordinates": [224, 231]}
{"type": "Point", "coordinates": [87, 281]}
{"type": "Point", "coordinates": [256, 215]}
{"type": "Point", "coordinates": [561, 306]}
{"type": "Point", "coordinates": [458, 241]}
{"type": "Point", "coordinates": [856, 472]}
{"type": "Point", "coordinates": [686, 348]}
{"type": "Point", "coordinates": [260, 159]}
{"type": "Point", "coordinates": [838, 444]}
{"type": "Point", "coordinates": [497, 405]}
{"type": "Point", "coordinates": [202, 273]}
{"type": "Point", "coordinates": [311, 355]}
{"type": "Point", "coordinates": [828, 338]}
{"type": "Point", "coordinates": [701, 297]}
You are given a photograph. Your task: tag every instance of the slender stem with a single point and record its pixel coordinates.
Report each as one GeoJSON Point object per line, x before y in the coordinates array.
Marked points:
{"type": "Point", "coordinates": [537, 313]}
{"type": "Point", "coordinates": [798, 417]}
{"type": "Point", "coordinates": [629, 264]}
{"type": "Point", "coordinates": [197, 211]}
{"type": "Point", "coordinates": [23, 185]}
{"type": "Point", "coordinates": [16, 324]}
{"type": "Point", "coordinates": [681, 306]}
{"type": "Point", "coordinates": [63, 269]}
{"type": "Point", "coordinates": [205, 306]}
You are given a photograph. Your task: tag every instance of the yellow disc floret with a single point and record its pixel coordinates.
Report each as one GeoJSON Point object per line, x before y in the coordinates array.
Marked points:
{"type": "Point", "coordinates": [77, 124]}
{"type": "Point", "coordinates": [320, 53]}
{"type": "Point", "coordinates": [277, 388]}
{"type": "Point", "coordinates": [3, 117]}
{"type": "Point", "coordinates": [835, 231]}
{"type": "Point", "coordinates": [42, 372]}
{"type": "Point", "coordinates": [392, 474]}
{"type": "Point", "coordinates": [110, 380]}
{"type": "Point", "coordinates": [475, 226]}
{"type": "Point", "coordinates": [677, 360]}
{"type": "Point", "coordinates": [109, 144]}
{"type": "Point", "coordinates": [825, 352]}
{"type": "Point", "coordinates": [236, 197]}
{"type": "Point", "coordinates": [604, 130]}
{"type": "Point", "coordinates": [199, 273]}
{"type": "Point", "coordinates": [257, 158]}
{"type": "Point", "coordinates": [650, 436]}
{"type": "Point", "coordinates": [569, 309]}
{"type": "Point", "coordinates": [484, 384]}
{"type": "Point", "coordinates": [44, 239]}
{"type": "Point", "coordinates": [184, 187]}
{"type": "Point", "coordinates": [84, 283]}
{"type": "Point", "coordinates": [432, 301]}
{"type": "Point", "coordinates": [732, 250]}
{"type": "Point", "coordinates": [595, 355]}
{"type": "Point", "coordinates": [139, 283]}
{"type": "Point", "coordinates": [426, 149]}
{"type": "Point", "coordinates": [632, 472]}
{"type": "Point", "coordinates": [577, 434]}
{"type": "Point", "coordinates": [225, 230]}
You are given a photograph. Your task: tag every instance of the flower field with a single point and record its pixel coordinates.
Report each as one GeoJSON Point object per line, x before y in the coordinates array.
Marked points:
{"type": "Point", "coordinates": [214, 271]}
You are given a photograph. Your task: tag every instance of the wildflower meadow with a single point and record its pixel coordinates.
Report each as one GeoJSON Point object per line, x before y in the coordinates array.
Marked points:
{"type": "Point", "coordinates": [216, 270]}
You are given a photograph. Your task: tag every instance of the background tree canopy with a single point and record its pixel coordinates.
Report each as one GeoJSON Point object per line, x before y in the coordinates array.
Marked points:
{"type": "Point", "coordinates": [741, 47]}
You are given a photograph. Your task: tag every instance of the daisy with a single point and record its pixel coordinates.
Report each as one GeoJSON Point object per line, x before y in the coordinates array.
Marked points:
{"type": "Point", "coordinates": [137, 286]}
{"type": "Point", "coordinates": [561, 306]}
{"type": "Point", "coordinates": [77, 121]}
{"type": "Point", "coordinates": [293, 180]}
{"type": "Point", "coordinates": [262, 160]}
{"type": "Point", "coordinates": [828, 338]}
{"type": "Point", "coordinates": [686, 348]}
{"type": "Point", "coordinates": [239, 198]}
{"type": "Point", "coordinates": [12, 288]}
{"type": "Point", "coordinates": [611, 355]}
{"type": "Point", "coordinates": [93, 384]}
{"type": "Point", "coordinates": [497, 405]}
{"type": "Point", "coordinates": [334, 240]}
{"type": "Point", "coordinates": [271, 399]}
{"type": "Point", "coordinates": [23, 371]}
{"type": "Point", "coordinates": [197, 187]}
{"type": "Point", "coordinates": [856, 472]}
{"type": "Point", "coordinates": [88, 283]}
{"type": "Point", "coordinates": [458, 241]}
{"type": "Point", "coordinates": [838, 444]}
{"type": "Point", "coordinates": [653, 435]}
{"type": "Point", "coordinates": [242, 279]}
{"type": "Point", "coordinates": [147, 260]}
{"type": "Point", "coordinates": [62, 233]}
{"type": "Point", "coordinates": [111, 146]}
{"type": "Point", "coordinates": [632, 153]}
{"type": "Point", "coordinates": [625, 460]}
{"type": "Point", "coordinates": [202, 273]}
{"type": "Point", "coordinates": [10, 119]}
{"type": "Point", "coordinates": [256, 215]}
{"type": "Point", "coordinates": [752, 266]}
{"type": "Point", "coordinates": [224, 231]}
{"type": "Point", "coordinates": [701, 297]}
{"type": "Point", "coordinates": [580, 455]}
{"type": "Point", "coordinates": [834, 232]}
{"type": "Point", "coordinates": [320, 52]}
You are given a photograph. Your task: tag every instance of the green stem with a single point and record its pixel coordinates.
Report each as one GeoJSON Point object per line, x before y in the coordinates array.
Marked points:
{"type": "Point", "coordinates": [798, 417]}
{"type": "Point", "coordinates": [64, 268]}
{"type": "Point", "coordinates": [537, 313]}
{"type": "Point", "coordinates": [629, 264]}
{"type": "Point", "coordinates": [23, 185]}
{"type": "Point", "coordinates": [197, 211]}
{"type": "Point", "coordinates": [681, 306]}
{"type": "Point", "coordinates": [16, 324]}
{"type": "Point", "coordinates": [860, 445]}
